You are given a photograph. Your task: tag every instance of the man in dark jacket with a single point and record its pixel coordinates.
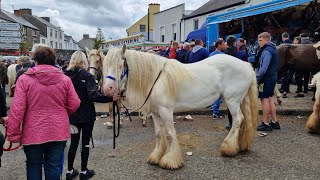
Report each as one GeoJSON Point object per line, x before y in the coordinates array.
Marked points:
{"type": "Point", "coordinates": [266, 79]}
{"type": "Point", "coordinates": [181, 54]}
{"type": "Point", "coordinates": [198, 53]}
{"type": "Point", "coordinates": [3, 119]}
{"type": "Point", "coordinates": [83, 119]}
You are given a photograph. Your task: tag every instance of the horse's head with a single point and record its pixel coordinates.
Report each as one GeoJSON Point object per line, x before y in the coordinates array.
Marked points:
{"type": "Point", "coordinates": [95, 58]}
{"type": "Point", "coordinates": [115, 71]}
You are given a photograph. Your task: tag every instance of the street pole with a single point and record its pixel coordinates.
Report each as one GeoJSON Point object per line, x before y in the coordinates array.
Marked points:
{"type": "Point", "coordinates": [148, 24]}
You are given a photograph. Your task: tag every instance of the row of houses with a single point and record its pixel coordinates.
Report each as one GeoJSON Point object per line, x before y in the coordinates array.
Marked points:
{"type": "Point", "coordinates": [39, 30]}
{"type": "Point", "coordinates": [179, 24]}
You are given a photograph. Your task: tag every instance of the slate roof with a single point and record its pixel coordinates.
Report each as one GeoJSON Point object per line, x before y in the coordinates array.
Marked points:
{"type": "Point", "coordinates": [45, 22]}
{"type": "Point", "coordinates": [214, 5]}
{"type": "Point", "coordinates": [83, 43]}
{"type": "Point", "coordinates": [18, 19]}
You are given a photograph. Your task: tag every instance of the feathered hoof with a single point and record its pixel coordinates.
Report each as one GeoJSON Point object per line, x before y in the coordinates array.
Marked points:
{"type": "Point", "coordinates": [153, 159]}
{"type": "Point", "coordinates": [227, 150]}
{"type": "Point", "coordinates": [144, 125]}
{"type": "Point", "coordinates": [172, 163]}
{"type": "Point", "coordinates": [279, 101]}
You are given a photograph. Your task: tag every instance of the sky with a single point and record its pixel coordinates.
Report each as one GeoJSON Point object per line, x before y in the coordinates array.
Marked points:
{"type": "Point", "coordinates": [78, 17]}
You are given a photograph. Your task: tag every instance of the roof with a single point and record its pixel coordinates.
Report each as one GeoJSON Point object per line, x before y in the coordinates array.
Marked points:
{"type": "Point", "coordinates": [4, 16]}
{"type": "Point", "coordinates": [45, 22]}
{"type": "Point", "coordinates": [188, 12]}
{"type": "Point", "coordinates": [18, 19]}
{"type": "Point", "coordinates": [169, 8]}
{"type": "Point", "coordinates": [214, 5]}
{"type": "Point", "coordinates": [67, 38]}
{"type": "Point", "coordinates": [83, 43]}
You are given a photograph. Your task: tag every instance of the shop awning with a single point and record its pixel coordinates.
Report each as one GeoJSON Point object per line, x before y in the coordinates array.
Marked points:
{"type": "Point", "coordinates": [198, 34]}
{"type": "Point", "coordinates": [255, 10]}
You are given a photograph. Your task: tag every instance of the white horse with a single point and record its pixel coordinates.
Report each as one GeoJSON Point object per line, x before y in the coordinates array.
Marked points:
{"type": "Point", "coordinates": [95, 58]}
{"type": "Point", "coordinates": [12, 75]}
{"type": "Point", "coordinates": [313, 123]}
{"type": "Point", "coordinates": [177, 87]}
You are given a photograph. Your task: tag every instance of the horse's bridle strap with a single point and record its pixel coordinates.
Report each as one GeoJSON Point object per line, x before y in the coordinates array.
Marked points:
{"type": "Point", "coordinates": [110, 77]}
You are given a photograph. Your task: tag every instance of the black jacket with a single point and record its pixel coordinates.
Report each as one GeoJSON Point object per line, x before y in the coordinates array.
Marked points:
{"type": "Point", "coordinates": [3, 108]}
{"type": "Point", "coordinates": [86, 88]}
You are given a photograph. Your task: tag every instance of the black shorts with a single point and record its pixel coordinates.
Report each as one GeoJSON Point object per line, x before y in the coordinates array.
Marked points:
{"type": "Point", "coordinates": [266, 89]}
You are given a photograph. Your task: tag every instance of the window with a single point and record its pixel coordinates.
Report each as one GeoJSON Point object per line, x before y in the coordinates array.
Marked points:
{"type": "Point", "coordinates": [56, 34]}
{"type": "Point", "coordinates": [43, 41]}
{"type": "Point", "coordinates": [196, 24]}
{"type": "Point", "coordinates": [24, 30]}
{"type": "Point", "coordinates": [56, 45]}
{"type": "Point", "coordinates": [162, 33]}
{"type": "Point", "coordinates": [60, 45]}
{"type": "Point", "coordinates": [142, 28]}
{"type": "Point", "coordinates": [174, 30]}
{"type": "Point", "coordinates": [60, 35]}
{"type": "Point", "coordinates": [34, 41]}
{"type": "Point", "coordinates": [51, 44]}
{"type": "Point", "coordinates": [50, 32]}
{"type": "Point", "coordinates": [34, 32]}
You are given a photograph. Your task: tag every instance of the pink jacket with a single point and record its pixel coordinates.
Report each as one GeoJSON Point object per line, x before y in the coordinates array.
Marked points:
{"type": "Point", "coordinates": [43, 99]}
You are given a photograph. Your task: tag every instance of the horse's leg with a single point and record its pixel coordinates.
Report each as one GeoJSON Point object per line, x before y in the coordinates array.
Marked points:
{"type": "Point", "coordinates": [230, 145]}
{"type": "Point", "coordinates": [278, 95]}
{"type": "Point", "coordinates": [110, 122]}
{"type": "Point", "coordinates": [173, 158]}
{"type": "Point", "coordinates": [161, 141]}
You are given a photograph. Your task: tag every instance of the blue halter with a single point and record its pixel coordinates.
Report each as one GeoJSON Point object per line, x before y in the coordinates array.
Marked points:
{"type": "Point", "coordinates": [125, 73]}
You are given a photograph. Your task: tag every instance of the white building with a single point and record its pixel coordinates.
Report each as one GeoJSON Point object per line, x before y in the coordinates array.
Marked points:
{"type": "Point", "coordinates": [168, 24]}
{"type": "Point", "coordinates": [70, 43]}
{"type": "Point", "coordinates": [54, 36]}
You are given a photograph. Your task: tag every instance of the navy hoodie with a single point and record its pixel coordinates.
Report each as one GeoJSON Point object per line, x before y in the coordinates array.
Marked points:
{"type": "Point", "coordinates": [198, 53]}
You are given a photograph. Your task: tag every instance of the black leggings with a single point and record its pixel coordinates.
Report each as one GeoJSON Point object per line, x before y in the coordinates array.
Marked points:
{"type": "Point", "coordinates": [86, 129]}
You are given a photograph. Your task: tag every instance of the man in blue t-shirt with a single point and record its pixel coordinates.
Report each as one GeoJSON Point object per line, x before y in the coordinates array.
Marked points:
{"type": "Point", "coordinates": [220, 48]}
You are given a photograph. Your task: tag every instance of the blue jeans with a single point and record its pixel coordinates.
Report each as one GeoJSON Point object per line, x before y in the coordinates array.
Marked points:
{"type": "Point", "coordinates": [216, 106]}
{"type": "Point", "coordinates": [49, 155]}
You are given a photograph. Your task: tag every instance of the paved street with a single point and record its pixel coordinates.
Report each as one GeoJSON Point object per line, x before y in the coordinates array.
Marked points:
{"type": "Point", "coordinates": [289, 153]}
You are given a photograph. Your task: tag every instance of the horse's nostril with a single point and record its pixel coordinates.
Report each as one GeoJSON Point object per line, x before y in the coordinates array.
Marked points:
{"type": "Point", "coordinates": [110, 88]}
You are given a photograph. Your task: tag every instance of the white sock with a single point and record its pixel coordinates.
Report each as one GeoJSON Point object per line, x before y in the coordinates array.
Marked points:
{"type": "Point", "coordinates": [83, 172]}
{"type": "Point", "coordinates": [70, 171]}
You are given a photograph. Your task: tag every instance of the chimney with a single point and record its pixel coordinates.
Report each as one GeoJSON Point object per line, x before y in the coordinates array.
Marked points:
{"type": "Point", "coordinates": [86, 36]}
{"type": "Point", "coordinates": [20, 12]}
{"type": "Point", "coordinates": [46, 18]}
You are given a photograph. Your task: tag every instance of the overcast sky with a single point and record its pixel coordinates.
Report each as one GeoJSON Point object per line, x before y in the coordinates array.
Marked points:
{"type": "Point", "coordinates": [78, 17]}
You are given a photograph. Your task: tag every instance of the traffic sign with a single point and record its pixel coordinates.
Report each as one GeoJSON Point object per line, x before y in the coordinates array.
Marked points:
{"type": "Point", "coordinates": [10, 39]}
{"type": "Point", "coordinates": [11, 33]}
{"type": "Point", "coordinates": [10, 26]}
{"type": "Point", "coordinates": [9, 46]}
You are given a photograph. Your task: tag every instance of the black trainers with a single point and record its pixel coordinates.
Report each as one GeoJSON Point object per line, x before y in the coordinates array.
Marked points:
{"type": "Point", "coordinates": [299, 95]}
{"type": "Point", "coordinates": [264, 127]}
{"type": "Point", "coordinates": [88, 175]}
{"type": "Point", "coordinates": [275, 125]}
{"type": "Point", "coordinates": [70, 176]}
{"type": "Point", "coordinates": [228, 127]}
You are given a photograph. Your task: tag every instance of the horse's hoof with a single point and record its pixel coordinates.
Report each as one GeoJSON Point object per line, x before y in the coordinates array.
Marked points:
{"type": "Point", "coordinates": [109, 127]}
{"type": "Point", "coordinates": [279, 101]}
{"type": "Point", "coordinates": [227, 150]}
{"type": "Point", "coordinates": [144, 125]}
{"type": "Point", "coordinates": [170, 163]}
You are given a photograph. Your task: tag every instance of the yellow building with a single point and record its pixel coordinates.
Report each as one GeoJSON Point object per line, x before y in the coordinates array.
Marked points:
{"type": "Point", "coordinates": [141, 26]}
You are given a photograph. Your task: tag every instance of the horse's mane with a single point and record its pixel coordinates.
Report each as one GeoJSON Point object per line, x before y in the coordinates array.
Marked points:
{"type": "Point", "coordinates": [143, 71]}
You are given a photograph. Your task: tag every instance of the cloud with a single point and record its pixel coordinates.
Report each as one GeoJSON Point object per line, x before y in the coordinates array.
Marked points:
{"type": "Point", "coordinates": [49, 13]}
{"type": "Point", "coordinates": [78, 17]}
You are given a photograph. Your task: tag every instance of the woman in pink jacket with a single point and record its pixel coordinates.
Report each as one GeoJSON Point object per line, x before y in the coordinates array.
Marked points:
{"type": "Point", "coordinates": [44, 98]}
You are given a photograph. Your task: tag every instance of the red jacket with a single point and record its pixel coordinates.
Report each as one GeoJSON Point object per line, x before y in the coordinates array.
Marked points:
{"type": "Point", "coordinates": [173, 53]}
{"type": "Point", "coordinates": [43, 99]}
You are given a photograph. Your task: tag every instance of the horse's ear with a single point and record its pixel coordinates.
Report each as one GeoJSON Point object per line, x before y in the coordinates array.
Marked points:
{"type": "Point", "coordinates": [87, 51]}
{"type": "Point", "coordinates": [123, 50]}
{"type": "Point", "coordinates": [100, 50]}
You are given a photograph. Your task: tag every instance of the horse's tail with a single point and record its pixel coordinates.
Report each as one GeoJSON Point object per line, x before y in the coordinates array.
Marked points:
{"type": "Point", "coordinates": [12, 74]}
{"type": "Point", "coordinates": [249, 108]}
